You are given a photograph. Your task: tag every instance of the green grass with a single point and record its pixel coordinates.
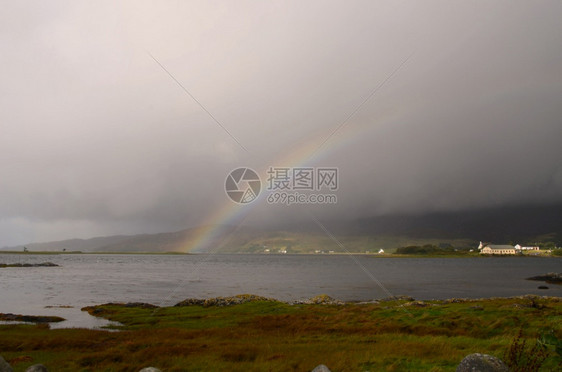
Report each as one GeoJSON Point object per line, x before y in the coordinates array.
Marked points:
{"type": "Point", "coordinates": [274, 336]}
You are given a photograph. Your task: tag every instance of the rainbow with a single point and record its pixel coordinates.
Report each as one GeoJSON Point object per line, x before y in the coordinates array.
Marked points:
{"type": "Point", "coordinates": [309, 152]}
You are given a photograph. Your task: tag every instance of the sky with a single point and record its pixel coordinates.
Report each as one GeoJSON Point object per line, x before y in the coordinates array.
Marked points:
{"type": "Point", "coordinates": [422, 106]}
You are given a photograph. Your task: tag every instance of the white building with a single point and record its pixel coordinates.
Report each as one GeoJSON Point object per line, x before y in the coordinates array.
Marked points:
{"type": "Point", "coordinates": [496, 249]}
{"type": "Point", "coordinates": [520, 248]}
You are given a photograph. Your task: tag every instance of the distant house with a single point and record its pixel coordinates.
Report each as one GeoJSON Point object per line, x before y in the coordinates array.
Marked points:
{"type": "Point", "coordinates": [496, 249]}
{"type": "Point", "coordinates": [520, 248]}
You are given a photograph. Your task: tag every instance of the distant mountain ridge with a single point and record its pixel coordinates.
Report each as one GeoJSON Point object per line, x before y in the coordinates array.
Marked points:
{"type": "Point", "coordinates": [72, 244]}
{"type": "Point", "coordinates": [525, 225]}
{"type": "Point", "coordinates": [159, 242]}
{"type": "Point", "coordinates": [177, 241]}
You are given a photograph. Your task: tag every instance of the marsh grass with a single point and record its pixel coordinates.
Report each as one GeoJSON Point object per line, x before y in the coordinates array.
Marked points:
{"type": "Point", "coordinates": [521, 357]}
{"type": "Point", "coordinates": [275, 336]}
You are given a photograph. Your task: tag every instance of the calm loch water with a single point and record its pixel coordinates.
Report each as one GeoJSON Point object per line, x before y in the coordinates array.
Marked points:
{"type": "Point", "coordinates": [85, 279]}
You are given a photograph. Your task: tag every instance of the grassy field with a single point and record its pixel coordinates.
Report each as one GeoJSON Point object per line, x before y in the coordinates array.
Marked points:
{"type": "Point", "coordinates": [274, 336]}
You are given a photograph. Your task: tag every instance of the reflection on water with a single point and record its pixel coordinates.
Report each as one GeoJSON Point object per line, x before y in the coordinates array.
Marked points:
{"type": "Point", "coordinates": [83, 280]}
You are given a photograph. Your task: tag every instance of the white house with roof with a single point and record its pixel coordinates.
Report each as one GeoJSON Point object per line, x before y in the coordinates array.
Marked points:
{"type": "Point", "coordinates": [488, 248]}
{"type": "Point", "coordinates": [520, 248]}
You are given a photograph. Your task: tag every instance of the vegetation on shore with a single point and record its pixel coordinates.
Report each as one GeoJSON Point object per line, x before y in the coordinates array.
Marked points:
{"type": "Point", "coordinates": [434, 250]}
{"type": "Point", "coordinates": [431, 250]}
{"type": "Point", "coordinates": [294, 242]}
{"type": "Point", "coordinates": [258, 335]}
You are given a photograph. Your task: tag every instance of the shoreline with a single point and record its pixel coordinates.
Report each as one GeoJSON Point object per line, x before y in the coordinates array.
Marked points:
{"type": "Point", "coordinates": [230, 301]}
{"type": "Point", "coordinates": [371, 255]}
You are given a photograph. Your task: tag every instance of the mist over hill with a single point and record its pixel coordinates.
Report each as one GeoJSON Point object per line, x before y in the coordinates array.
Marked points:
{"type": "Point", "coordinates": [503, 225]}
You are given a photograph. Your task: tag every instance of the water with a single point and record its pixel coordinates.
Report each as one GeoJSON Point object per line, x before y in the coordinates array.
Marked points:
{"type": "Point", "coordinates": [83, 280]}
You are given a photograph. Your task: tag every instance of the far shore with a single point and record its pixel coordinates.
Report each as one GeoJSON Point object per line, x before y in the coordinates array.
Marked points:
{"type": "Point", "coordinates": [369, 254]}
{"type": "Point", "coordinates": [81, 252]}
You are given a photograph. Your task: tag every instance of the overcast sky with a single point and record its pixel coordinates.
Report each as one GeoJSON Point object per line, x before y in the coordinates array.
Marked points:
{"type": "Point", "coordinates": [97, 139]}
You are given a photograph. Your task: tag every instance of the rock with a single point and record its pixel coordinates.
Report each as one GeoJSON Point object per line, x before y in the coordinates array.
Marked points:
{"type": "Point", "coordinates": [224, 301]}
{"type": "Point", "coordinates": [37, 368]}
{"type": "Point", "coordinates": [456, 300]}
{"type": "Point", "coordinates": [417, 304]}
{"type": "Point", "coordinates": [552, 278]}
{"type": "Point", "coordinates": [321, 368]}
{"type": "Point", "coordinates": [142, 305]}
{"type": "Point", "coordinates": [150, 369]}
{"type": "Point", "coordinates": [397, 298]}
{"type": "Point", "coordinates": [43, 264]}
{"type": "Point", "coordinates": [481, 363]}
{"type": "Point", "coordinates": [542, 287]}
{"type": "Point", "coordinates": [4, 366]}
{"type": "Point", "coordinates": [320, 300]}
{"type": "Point", "coordinates": [100, 310]}
{"type": "Point", "coordinates": [30, 318]}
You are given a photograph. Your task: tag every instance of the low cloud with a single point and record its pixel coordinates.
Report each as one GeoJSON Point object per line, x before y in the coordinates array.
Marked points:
{"type": "Point", "coordinates": [97, 139]}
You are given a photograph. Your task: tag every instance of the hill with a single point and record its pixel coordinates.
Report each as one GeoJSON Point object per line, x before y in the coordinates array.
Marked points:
{"type": "Point", "coordinates": [459, 229]}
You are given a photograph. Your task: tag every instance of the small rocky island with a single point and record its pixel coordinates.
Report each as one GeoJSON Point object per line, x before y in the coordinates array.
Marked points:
{"type": "Point", "coordinates": [29, 318]}
{"type": "Point", "coordinates": [552, 278]}
{"type": "Point", "coordinates": [43, 264]}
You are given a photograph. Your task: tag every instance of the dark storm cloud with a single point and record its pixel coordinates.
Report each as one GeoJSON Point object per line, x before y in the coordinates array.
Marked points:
{"type": "Point", "coordinates": [97, 139]}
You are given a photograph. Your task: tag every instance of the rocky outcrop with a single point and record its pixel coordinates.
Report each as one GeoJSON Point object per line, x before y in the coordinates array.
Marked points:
{"type": "Point", "coordinates": [141, 305]}
{"type": "Point", "coordinates": [29, 318]}
{"type": "Point", "coordinates": [43, 264]}
{"type": "Point", "coordinates": [321, 300]}
{"type": "Point", "coordinates": [527, 297]}
{"type": "Point", "coordinates": [4, 366]}
{"type": "Point", "coordinates": [243, 298]}
{"type": "Point", "coordinates": [481, 363]}
{"type": "Point", "coordinates": [418, 304]}
{"type": "Point", "coordinates": [99, 310]}
{"type": "Point", "coordinates": [397, 298]}
{"type": "Point", "coordinates": [223, 301]}
{"type": "Point", "coordinates": [552, 278]}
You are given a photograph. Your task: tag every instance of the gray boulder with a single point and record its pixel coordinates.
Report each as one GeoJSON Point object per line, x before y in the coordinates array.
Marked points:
{"type": "Point", "coordinates": [37, 368]}
{"type": "Point", "coordinates": [481, 363]}
{"type": "Point", "coordinates": [321, 368]}
{"type": "Point", "coordinates": [150, 369]}
{"type": "Point", "coordinates": [4, 366]}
